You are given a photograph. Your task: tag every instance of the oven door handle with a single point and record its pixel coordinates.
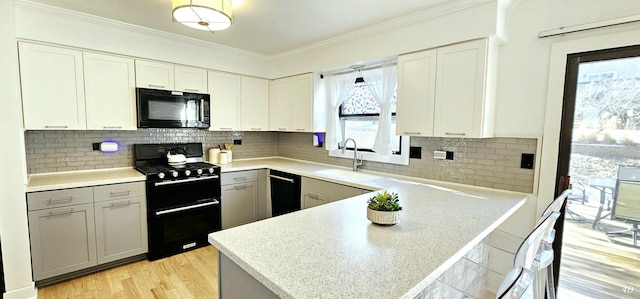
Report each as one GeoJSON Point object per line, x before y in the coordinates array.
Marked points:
{"type": "Point", "coordinates": [163, 212]}
{"type": "Point", "coordinates": [186, 180]}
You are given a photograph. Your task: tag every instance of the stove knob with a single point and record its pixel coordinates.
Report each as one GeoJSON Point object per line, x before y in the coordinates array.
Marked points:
{"type": "Point", "coordinates": [211, 170]}
{"type": "Point", "coordinates": [161, 175]}
{"type": "Point", "coordinates": [174, 173]}
{"type": "Point", "coordinates": [187, 172]}
{"type": "Point", "coordinates": [199, 171]}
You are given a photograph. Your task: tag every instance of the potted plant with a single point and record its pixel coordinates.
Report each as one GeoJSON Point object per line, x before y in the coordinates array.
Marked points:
{"type": "Point", "coordinates": [384, 208]}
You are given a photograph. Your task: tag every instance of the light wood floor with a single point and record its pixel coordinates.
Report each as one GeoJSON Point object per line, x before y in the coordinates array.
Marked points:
{"type": "Point", "coordinates": [193, 274]}
{"type": "Point", "coordinates": [593, 267]}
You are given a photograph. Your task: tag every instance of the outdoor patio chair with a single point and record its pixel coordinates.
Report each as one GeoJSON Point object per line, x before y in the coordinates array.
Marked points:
{"type": "Point", "coordinates": [578, 194]}
{"type": "Point", "coordinates": [626, 204]}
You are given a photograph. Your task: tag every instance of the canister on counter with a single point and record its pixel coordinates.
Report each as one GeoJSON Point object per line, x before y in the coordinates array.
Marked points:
{"type": "Point", "coordinates": [223, 158]}
{"type": "Point", "coordinates": [229, 155]}
{"type": "Point", "coordinates": [214, 153]}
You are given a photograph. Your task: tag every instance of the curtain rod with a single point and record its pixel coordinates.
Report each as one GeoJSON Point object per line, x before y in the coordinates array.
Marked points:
{"type": "Point", "coordinates": [342, 72]}
{"type": "Point", "coordinates": [588, 26]}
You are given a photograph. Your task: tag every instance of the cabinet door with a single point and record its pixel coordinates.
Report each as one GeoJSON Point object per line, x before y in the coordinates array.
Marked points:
{"type": "Point", "coordinates": [280, 110]}
{"type": "Point", "coordinates": [121, 228]}
{"type": "Point", "coordinates": [110, 92]}
{"type": "Point", "coordinates": [225, 101]}
{"type": "Point", "coordinates": [460, 90]}
{"type": "Point", "coordinates": [52, 88]}
{"type": "Point", "coordinates": [62, 240]}
{"type": "Point", "coordinates": [416, 93]}
{"type": "Point", "coordinates": [302, 103]}
{"type": "Point", "coordinates": [190, 79]}
{"type": "Point", "coordinates": [239, 204]}
{"type": "Point", "coordinates": [255, 104]}
{"type": "Point", "coordinates": [155, 75]}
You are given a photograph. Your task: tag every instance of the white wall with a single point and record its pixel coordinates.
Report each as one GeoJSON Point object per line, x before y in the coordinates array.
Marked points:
{"type": "Point", "coordinates": [13, 206]}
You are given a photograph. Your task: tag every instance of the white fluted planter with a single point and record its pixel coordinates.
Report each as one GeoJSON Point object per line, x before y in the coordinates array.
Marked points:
{"type": "Point", "coordinates": [383, 217]}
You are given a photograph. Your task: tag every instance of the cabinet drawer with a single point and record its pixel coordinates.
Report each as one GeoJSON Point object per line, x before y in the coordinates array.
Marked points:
{"type": "Point", "coordinates": [239, 177]}
{"type": "Point", "coordinates": [59, 198]}
{"type": "Point", "coordinates": [116, 191]}
{"type": "Point", "coordinates": [337, 191]}
{"type": "Point", "coordinates": [312, 199]}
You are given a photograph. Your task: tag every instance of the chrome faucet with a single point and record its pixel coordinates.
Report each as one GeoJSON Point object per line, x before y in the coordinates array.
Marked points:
{"type": "Point", "coordinates": [356, 162]}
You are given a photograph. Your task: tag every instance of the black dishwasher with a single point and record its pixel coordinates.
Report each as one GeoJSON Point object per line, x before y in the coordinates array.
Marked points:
{"type": "Point", "coordinates": [285, 192]}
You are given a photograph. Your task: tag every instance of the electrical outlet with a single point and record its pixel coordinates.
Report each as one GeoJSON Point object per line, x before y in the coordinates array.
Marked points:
{"type": "Point", "coordinates": [237, 141]}
{"type": "Point", "coordinates": [526, 162]}
{"type": "Point", "coordinates": [449, 155]}
{"type": "Point", "coordinates": [415, 152]}
{"type": "Point", "coordinates": [440, 155]}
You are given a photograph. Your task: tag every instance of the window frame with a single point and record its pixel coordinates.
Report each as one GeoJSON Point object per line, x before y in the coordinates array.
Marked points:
{"type": "Point", "coordinates": [402, 158]}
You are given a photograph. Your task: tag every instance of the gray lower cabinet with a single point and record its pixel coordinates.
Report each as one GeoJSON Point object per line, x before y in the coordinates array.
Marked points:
{"type": "Point", "coordinates": [62, 231]}
{"type": "Point", "coordinates": [74, 229]}
{"type": "Point", "coordinates": [121, 221]}
{"type": "Point", "coordinates": [239, 198]}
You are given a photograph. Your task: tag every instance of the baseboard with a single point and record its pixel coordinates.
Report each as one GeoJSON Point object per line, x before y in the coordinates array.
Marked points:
{"type": "Point", "coordinates": [23, 293]}
{"type": "Point", "coordinates": [94, 269]}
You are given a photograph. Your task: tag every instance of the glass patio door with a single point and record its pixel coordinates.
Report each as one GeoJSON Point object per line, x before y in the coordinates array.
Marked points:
{"type": "Point", "coordinates": [600, 133]}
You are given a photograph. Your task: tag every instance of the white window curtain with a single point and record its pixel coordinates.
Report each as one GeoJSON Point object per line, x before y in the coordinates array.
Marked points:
{"type": "Point", "coordinates": [338, 89]}
{"type": "Point", "coordinates": [382, 84]}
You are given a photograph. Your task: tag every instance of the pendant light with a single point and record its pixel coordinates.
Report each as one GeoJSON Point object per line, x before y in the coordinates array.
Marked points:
{"type": "Point", "coordinates": [211, 15]}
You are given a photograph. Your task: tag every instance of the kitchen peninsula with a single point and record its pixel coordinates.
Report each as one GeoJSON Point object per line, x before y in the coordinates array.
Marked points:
{"type": "Point", "coordinates": [333, 251]}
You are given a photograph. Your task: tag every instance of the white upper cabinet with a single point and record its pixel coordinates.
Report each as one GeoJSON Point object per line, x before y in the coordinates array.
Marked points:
{"type": "Point", "coordinates": [167, 76]}
{"type": "Point", "coordinates": [448, 91]}
{"type": "Point", "coordinates": [280, 105]}
{"type": "Point", "coordinates": [110, 92]}
{"type": "Point", "coordinates": [154, 75]}
{"type": "Point", "coordinates": [224, 89]}
{"type": "Point", "coordinates": [255, 104]}
{"type": "Point", "coordinates": [465, 90]}
{"type": "Point", "coordinates": [291, 104]}
{"type": "Point", "coordinates": [416, 91]}
{"type": "Point", "coordinates": [190, 79]}
{"type": "Point", "coordinates": [52, 88]}
{"type": "Point", "coordinates": [302, 103]}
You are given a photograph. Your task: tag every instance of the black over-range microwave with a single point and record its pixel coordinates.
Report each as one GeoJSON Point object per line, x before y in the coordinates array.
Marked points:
{"type": "Point", "coordinates": [172, 109]}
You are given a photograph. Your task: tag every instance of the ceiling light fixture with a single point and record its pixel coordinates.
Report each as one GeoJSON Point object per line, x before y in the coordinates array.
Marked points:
{"type": "Point", "coordinates": [211, 15]}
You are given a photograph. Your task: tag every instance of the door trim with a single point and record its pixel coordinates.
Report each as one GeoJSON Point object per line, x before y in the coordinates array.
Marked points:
{"type": "Point", "coordinates": [555, 95]}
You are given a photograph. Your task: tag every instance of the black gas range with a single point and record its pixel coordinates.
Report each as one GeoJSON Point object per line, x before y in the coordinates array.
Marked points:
{"type": "Point", "coordinates": [183, 198]}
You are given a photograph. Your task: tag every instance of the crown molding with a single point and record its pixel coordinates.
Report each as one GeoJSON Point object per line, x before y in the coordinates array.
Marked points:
{"type": "Point", "coordinates": [416, 17]}
{"type": "Point", "coordinates": [84, 17]}
{"type": "Point", "coordinates": [410, 19]}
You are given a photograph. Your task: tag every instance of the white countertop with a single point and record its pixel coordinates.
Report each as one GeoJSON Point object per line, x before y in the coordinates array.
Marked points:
{"type": "Point", "coordinates": [83, 178]}
{"type": "Point", "coordinates": [333, 251]}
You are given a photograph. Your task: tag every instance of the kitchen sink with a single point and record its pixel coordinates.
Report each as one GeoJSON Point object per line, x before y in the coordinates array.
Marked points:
{"type": "Point", "coordinates": [347, 175]}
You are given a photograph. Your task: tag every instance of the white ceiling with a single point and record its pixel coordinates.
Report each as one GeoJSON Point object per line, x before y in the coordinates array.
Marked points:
{"type": "Point", "coordinates": [262, 26]}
